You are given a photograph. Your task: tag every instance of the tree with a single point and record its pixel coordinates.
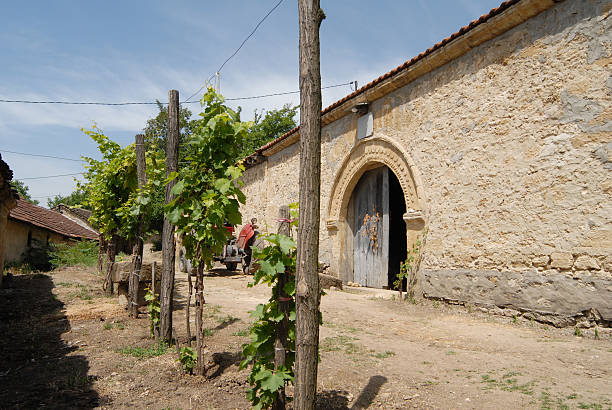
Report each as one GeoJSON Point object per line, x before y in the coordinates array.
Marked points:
{"type": "Point", "coordinates": [307, 280]}
{"type": "Point", "coordinates": [77, 198]}
{"type": "Point", "coordinates": [115, 202]}
{"type": "Point", "coordinates": [23, 191]}
{"type": "Point", "coordinates": [208, 193]}
{"type": "Point", "coordinates": [156, 129]}
{"type": "Point", "coordinates": [273, 124]}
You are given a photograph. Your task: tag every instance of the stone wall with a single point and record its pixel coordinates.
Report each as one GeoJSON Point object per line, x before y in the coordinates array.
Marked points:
{"type": "Point", "coordinates": [513, 143]}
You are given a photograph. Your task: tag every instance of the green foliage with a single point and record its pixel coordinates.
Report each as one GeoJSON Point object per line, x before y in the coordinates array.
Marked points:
{"type": "Point", "coordinates": [23, 191]}
{"type": "Point", "coordinates": [409, 268]}
{"type": "Point", "coordinates": [187, 359]}
{"type": "Point", "coordinates": [36, 258]}
{"type": "Point", "coordinates": [208, 187]}
{"type": "Point", "coordinates": [273, 124]}
{"type": "Point", "coordinates": [77, 198]}
{"type": "Point", "coordinates": [154, 308]}
{"type": "Point", "coordinates": [156, 129]}
{"type": "Point", "coordinates": [116, 203]}
{"type": "Point", "coordinates": [278, 257]}
{"type": "Point", "coordinates": [144, 352]}
{"type": "Point", "coordinates": [77, 253]}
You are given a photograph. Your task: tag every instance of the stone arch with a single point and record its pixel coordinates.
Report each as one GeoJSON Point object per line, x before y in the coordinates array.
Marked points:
{"type": "Point", "coordinates": [367, 154]}
{"type": "Point", "coordinates": [370, 153]}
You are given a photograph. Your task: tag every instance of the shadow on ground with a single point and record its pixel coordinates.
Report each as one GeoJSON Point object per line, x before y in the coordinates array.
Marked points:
{"type": "Point", "coordinates": [222, 361]}
{"type": "Point", "coordinates": [36, 369]}
{"type": "Point", "coordinates": [222, 271]}
{"type": "Point", "coordinates": [338, 399]}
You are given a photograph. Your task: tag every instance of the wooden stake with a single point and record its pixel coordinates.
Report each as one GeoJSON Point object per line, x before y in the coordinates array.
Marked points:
{"type": "Point", "coordinates": [187, 308]}
{"type": "Point", "coordinates": [282, 329]}
{"type": "Point", "coordinates": [307, 279]}
{"type": "Point", "coordinates": [137, 251]}
{"type": "Point", "coordinates": [168, 245]}
{"type": "Point", "coordinates": [111, 252]}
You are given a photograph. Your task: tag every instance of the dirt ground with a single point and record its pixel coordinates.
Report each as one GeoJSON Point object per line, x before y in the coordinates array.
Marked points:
{"type": "Point", "coordinates": [66, 345]}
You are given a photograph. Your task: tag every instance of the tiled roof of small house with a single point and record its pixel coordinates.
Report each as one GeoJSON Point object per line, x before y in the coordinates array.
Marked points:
{"type": "Point", "coordinates": [51, 220]}
{"type": "Point", "coordinates": [82, 213]}
{"type": "Point", "coordinates": [461, 32]}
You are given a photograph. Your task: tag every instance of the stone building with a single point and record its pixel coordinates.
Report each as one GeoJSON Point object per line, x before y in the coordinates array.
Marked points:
{"type": "Point", "coordinates": [8, 198]}
{"type": "Point", "coordinates": [495, 144]}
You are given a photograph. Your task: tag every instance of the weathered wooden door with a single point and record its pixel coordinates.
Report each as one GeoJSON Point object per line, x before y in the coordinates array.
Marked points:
{"type": "Point", "coordinates": [371, 229]}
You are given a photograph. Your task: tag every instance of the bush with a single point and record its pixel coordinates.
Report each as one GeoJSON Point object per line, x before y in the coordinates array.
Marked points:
{"type": "Point", "coordinates": [36, 258]}
{"type": "Point", "coordinates": [79, 253]}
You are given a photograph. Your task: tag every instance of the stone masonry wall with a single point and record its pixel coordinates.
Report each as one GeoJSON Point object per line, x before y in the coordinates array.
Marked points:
{"type": "Point", "coordinates": [513, 141]}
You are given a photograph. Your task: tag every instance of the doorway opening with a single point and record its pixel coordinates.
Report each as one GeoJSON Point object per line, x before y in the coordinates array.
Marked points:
{"type": "Point", "coordinates": [397, 229]}
{"type": "Point", "coordinates": [375, 213]}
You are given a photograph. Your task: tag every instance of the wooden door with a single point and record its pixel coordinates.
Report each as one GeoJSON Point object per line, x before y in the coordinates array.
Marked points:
{"type": "Point", "coordinates": [371, 229]}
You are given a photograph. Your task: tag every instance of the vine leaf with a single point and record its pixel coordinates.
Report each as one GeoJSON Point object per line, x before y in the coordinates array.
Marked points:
{"type": "Point", "coordinates": [272, 382]}
{"type": "Point", "coordinates": [177, 188]}
{"type": "Point", "coordinates": [286, 244]}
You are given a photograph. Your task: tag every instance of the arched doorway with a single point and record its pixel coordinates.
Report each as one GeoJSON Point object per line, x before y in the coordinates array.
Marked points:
{"type": "Point", "coordinates": [377, 154]}
{"type": "Point", "coordinates": [375, 217]}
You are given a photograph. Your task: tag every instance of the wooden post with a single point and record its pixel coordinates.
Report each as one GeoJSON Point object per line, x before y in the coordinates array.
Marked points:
{"type": "Point", "coordinates": [187, 308]}
{"type": "Point", "coordinates": [138, 246]}
{"type": "Point", "coordinates": [153, 267]}
{"type": "Point", "coordinates": [111, 252]}
{"type": "Point", "coordinates": [168, 246]}
{"type": "Point", "coordinates": [307, 279]}
{"type": "Point", "coordinates": [282, 329]}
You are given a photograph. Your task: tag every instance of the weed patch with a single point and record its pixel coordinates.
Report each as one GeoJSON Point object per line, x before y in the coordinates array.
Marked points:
{"type": "Point", "coordinates": [144, 352]}
{"type": "Point", "coordinates": [384, 355]}
{"type": "Point", "coordinates": [79, 253]}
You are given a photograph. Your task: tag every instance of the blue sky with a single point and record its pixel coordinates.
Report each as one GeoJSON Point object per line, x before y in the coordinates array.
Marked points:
{"type": "Point", "coordinates": [137, 50]}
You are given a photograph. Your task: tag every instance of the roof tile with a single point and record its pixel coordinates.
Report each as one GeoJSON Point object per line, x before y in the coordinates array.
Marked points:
{"type": "Point", "coordinates": [51, 220]}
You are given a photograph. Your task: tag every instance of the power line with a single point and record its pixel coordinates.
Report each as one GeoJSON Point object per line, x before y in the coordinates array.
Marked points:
{"type": "Point", "coordinates": [51, 176]}
{"type": "Point", "coordinates": [76, 103]}
{"type": "Point", "coordinates": [237, 50]}
{"type": "Point", "coordinates": [154, 103]}
{"type": "Point", "coordinates": [285, 93]}
{"type": "Point", "coordinates": [40, 155]}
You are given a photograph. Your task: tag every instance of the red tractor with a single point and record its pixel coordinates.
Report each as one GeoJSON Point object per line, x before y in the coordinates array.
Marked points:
{"type": "Point", "coordinates": [231, 255]}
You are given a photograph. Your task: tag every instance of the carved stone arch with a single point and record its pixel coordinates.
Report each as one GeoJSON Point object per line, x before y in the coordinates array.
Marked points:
{"type": "Point", "coordinates": [371, 153]}
{"type": "Point", "coordinates": [368, 154]}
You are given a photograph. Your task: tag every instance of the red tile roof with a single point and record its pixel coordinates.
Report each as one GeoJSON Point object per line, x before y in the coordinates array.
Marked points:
{"type": "Point", "coordinates": [494, 12]}
{"type": "Point", "coordinates": [53, 221]}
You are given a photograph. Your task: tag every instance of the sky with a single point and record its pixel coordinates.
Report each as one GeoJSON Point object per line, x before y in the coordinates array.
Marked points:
{"type": "Point", "coordinates": [137, 50]}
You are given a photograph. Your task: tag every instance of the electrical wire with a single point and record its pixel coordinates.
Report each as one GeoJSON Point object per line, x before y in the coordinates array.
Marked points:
{"type": "Point", "coordinates": [40, 155]}
{"type": "Point", "coordinates": [237, 50]}
{"type": "Point", "coordinates": [284, 93]}
{"type": "Point", "coordinates": [152, 103]}
{"type": "Point", "coordinates": [76, 103]}
{"type": "Point", "coordinates": [50, 176]}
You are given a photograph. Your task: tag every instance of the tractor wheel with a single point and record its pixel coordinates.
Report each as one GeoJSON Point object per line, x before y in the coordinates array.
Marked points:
{"type": "Point", "coordinates": [231, 265]}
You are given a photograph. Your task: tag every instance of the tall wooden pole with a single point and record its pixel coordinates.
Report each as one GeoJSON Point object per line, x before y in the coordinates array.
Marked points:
{"type": "Point", "coordinates": [307, 280]}
{"type": "Point", "coordinates": [282, 328]}
{"type": "Point", "coordinates": [138, 246]}
{"type": "Point", "coordinates": [168, 245]}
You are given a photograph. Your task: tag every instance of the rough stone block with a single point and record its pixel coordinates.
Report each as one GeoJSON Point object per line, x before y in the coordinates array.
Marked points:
{"type": "Point", "coordinates": [540, 261]}
{"type": "Point", "coordinates": [585, 262]}
{"type": "Point", "coordinates": [327, 281]}
{"type": "Point", "coordinates": [552, 297]}
{"type": "Point", "coordinates": [561, 260]}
